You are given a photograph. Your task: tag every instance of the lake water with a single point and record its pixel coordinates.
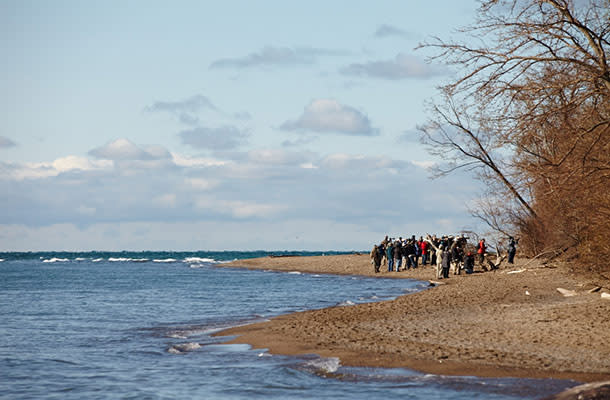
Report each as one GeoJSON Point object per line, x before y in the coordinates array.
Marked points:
{"type": "Point", "coordinates": [139, 325]}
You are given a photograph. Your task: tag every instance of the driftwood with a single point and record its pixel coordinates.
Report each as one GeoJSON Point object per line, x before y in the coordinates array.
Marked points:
{"type": "Point", "coordinates": [494, 265]}
{"type": "Point", "coordinates": [566, 292]}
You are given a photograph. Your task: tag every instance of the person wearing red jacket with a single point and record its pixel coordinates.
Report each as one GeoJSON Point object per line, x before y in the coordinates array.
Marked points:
{"type": "Point", "coordinates": [481, 249]}
{"type": "Point", "coordinates": [423, 245]}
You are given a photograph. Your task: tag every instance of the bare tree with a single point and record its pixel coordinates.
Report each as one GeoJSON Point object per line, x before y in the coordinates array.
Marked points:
{"type": "Point", "coordinates": [530, 113]}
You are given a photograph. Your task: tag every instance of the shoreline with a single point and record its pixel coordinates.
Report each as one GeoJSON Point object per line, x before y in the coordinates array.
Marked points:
{"type": "Point", "coordinates": [512, 322]}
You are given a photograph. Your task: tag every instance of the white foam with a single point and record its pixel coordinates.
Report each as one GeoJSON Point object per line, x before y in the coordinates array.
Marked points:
{"type": "Point", "coordinates": [183, 348]}
{"type": "Point", "coordinates": [97, 260]}
{"type": "Point", "coordinates": [80, 259]}
{"type": "Point", "coordinates": [1, 259]}
{"type": "Point", "coordinates": [198, 260]}
{"type": "Point", "coordinates": [119, 259]}
{"type": "Point", "coordinates": [327, 365]}
{"type": "Point", "coordinates": [139, 259]}
{"type": "Point", "coordinates": [347, 303]}
{"type": "Point", "coordinates": [55, 259]}
{"type": "Point", "coordinates": [295, 273]}
{"type": "Point", "coordinates": [165, 260]}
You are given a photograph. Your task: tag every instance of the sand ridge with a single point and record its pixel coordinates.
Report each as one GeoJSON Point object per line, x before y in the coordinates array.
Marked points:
{"type": "Point", "coordinates": [509, 322]}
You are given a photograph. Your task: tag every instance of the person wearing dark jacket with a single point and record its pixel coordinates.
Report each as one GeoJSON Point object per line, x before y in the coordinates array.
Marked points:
{"type": "Point", "coordinates": [512, 249]}
{"type": "Point", "coordinates": [456, 258]}
{"type": "Point", "coordinates": [469, 262]}
{"type": "Point", "coordinates": [397, 256]}
{"type": "Point", "coordinates": [389, 252]}
{"type": "Point", "coordinates": [446, 262]}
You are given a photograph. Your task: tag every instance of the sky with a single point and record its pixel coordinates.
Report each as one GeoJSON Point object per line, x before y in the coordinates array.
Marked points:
{"type": "Point", "coordinates": [222, 125]}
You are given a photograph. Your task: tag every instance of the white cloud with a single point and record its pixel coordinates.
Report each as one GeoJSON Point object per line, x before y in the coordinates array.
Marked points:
{"type": "Point", "coordinates": [275, 156]}
{"type": "Point", "coordinates": [201, 184]}
{"type": "Point", "coordinates": [69, 163]}
{"type": "Point", "coordinates": [330, 116]}
{"type": "Point", "coordinates": [269, 186]}
{"type": "Point", "coordinates": [185, 161]}
{"type": "Point", "coordinates": [308, 166]}
{"type": "Point", "coordinates": [18, 172]}
{"type": "Point", "coordinates": [403, 66]}
{"type": "Point", "coordinates": [425, 164]}
{"type": "Point", "coordinates": [124, 150]}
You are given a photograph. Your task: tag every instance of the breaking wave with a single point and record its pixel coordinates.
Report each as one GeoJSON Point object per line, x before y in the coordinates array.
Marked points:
{"type": "Point", "coordinates": [324, 365]}
{"type": "Point", "coordinates": [183, 348]}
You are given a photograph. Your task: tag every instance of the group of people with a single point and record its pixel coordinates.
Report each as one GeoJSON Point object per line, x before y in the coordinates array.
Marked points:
{"type": "Point", "coordinates": [446, 252]}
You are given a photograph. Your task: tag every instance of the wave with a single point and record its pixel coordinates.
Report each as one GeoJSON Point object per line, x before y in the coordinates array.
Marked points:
{"type": "Point", "coordinates": [165, 260]}
{"type": "Point", "coordinates": [55, 259]}
{"type": "Point", "coordinates": [346, 303]}
{"type": "Point", "coordinates": [325, 365]}
{"type": "Point", "coordinates": [183, 348]}
{"type": "Point", "coordinates": [198, 260]}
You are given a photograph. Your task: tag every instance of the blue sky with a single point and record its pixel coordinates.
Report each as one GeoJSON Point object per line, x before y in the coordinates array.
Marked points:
{"type": "Point", "coordinates": [221, 125]}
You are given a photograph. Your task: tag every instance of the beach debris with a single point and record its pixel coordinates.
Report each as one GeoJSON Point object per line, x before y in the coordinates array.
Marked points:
{"type": "Point", "coordinates": [566, 292]}
{"type": "Point", "coordinates": [434, 283]}
{"type": "Point", "coordinates": [595, 289]}
{"type": "Point", "coordinates": [517, 271]}
{"type": "Point", "coordinates": [606, 296]}
{"type": "Point", "coordinates": [527, 293]}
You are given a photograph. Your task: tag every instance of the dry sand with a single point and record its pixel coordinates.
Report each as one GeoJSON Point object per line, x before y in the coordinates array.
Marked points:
{"type": "Point", "coordinates": [486, 324]}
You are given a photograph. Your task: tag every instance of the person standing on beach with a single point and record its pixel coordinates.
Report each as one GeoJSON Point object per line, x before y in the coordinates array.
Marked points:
{"type": "Point", "coordinates": [423, 246]}
{"type": "Point", "coordinates": [446, 262]}
{"type": "Point", "coordinates": [481, 249]}
{"type": "Point", "coordinates": [432, 241]}
{"type": "Point", "coordinates": [469, 262]}
{"type": "Point", "coordinates": [376, 258]}
{"type": "Point", "coordinates": [456, 257]}
{"type": "Point", "coordinates": [438, 255]}
{"type": "Point", "coordinates": [417, 250]}
{"type": "Point", "coordinates": [389, 254]}
{"type": "Point", "coordinates": [512, 249]}
{"type": "Point", "coordinates": [397, 255]}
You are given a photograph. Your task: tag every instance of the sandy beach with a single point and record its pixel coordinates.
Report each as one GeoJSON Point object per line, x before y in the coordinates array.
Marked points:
{"type": "Point", "coordinates": [510, 322]}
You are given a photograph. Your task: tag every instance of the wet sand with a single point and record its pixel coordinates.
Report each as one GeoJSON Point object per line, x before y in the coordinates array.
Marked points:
{"type": "Point", "coordinates": [508, 322]}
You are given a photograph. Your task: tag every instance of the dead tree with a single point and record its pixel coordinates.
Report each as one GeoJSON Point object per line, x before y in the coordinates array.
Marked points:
{"type": "Point", "coordinates": [530, 114]}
